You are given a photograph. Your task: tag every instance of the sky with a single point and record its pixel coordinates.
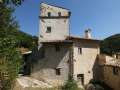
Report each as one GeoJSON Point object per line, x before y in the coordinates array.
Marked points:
{"type": "Point", "coordinates": [101, 16]}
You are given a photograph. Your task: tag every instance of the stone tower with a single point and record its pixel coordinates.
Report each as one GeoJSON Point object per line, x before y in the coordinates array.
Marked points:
{"type": "Point", "coordinates": [54, 23]}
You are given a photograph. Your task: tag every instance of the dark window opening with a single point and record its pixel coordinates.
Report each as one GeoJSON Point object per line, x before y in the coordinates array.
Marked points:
{"type": "Point", "coordinates": [69, 13]}
{"type": "Point", "coordinates": [59, 13]}
{"type": "Point", "coordinates": [80, 78]}
{"type": "Point", "coordinates": [57, 48]}
{"type": "Point", "coordinates": [115, 71]}
{"type": "Point", "coordinates": [79, 50]}
{"type": "Point", "coordinates": [58, 71]}
{"type": "Point", "coordinates": [117, 56]}
{"type": "Point", "coordinates": [48, 30]}
{"type": "Point", "coordinates": [49, 14]}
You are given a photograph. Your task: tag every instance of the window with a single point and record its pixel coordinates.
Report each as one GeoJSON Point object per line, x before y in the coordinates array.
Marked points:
{"type": "Point", "coordinates": [58, 71]}
{"type": "Point", "coordinates": [59, 13]}
{"type": "Point", "coordinates": [48, 30]}
{"type": "Point", "coordinates": [57, 48]}
{"type": "Point", "coordinates": [79, 50]}
{"type": "Point", "coordinates": [115, 70]}
{"type": "Point", "coordinates": [117, 56]}
{"type": "Point", "coordinates": [49, 14]}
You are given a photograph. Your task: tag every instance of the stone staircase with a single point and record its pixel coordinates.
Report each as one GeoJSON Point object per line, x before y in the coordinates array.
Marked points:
{"type": "Point", "coordinates": [28, 83]}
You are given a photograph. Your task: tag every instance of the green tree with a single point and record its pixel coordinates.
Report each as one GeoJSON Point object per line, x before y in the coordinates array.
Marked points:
{"type": "Point", "coordinates": [26, 40]}
{"type": "Point", "coordinates": [15, 2]}
{"type": "Point", "coordinates": [10, 39]}
{"type": "Point", "coordinates": [71, 85]}
{"type": "Point", "coordinates": [10, 58]}
{"type": "Point", "coordinates": [111, 44]}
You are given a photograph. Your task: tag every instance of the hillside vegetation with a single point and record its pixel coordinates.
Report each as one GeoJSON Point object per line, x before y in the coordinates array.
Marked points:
{"type": "Point", "coordinates": [24, 39]}
{"type": "Point", "coordinates": [111, 44]}
{"type": "Point", "coordinates": [10, 40]}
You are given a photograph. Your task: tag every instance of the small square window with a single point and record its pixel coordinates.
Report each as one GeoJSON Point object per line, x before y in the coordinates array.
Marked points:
{"type": "Point", "coordinates": [79, 50]}
{"type": "Point", "coordinates": [59, 13]}
{"type": "Point", "coordinates": [57, 48]}
{"type": "Point", "coordinates": [49, 14]}
{"type": "Point", "coordinates": [58, 71]}
{"type": "Point", "coordinates": [115, 70]}
{"type": "Point", "coordinates": [48, 30]}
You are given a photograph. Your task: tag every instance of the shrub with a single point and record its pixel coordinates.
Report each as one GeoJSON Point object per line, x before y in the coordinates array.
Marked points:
{"type": "Point", "coordinates": [70, 85]}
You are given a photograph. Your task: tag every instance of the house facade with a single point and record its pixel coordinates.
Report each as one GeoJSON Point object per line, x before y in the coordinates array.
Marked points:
{"type": "Point", "coordinates": [61, 55]}
{"type": "Point", "coordinates": [85, 52]}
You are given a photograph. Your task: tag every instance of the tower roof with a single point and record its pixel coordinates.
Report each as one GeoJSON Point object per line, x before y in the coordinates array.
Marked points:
{"type": "Point", "coordinates": [54, 6]}
{"type": "Point", "coordinates": [54, 11]}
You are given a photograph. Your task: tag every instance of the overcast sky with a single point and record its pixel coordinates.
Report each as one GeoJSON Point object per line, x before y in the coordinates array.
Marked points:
{"type": "Point", "coordinates": [102, 16]}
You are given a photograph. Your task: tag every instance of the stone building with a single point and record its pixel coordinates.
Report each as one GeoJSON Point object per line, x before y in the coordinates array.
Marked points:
{"type": "Point", "coordinates": [110, 69]}
{"type": "Point", "coordinates": [54, 23]}
{"type": "Point", "coordinates": [85, 53]}
{"type": "Point", "coordinates": [60, 54]}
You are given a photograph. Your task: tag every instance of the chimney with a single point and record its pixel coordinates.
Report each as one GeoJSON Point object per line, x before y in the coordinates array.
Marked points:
{"type": "Point", "coordinates": [88, 34]}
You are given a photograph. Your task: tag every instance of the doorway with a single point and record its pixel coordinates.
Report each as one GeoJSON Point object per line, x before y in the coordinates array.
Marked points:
{"type": "Point", "coordinates": [80, 78]}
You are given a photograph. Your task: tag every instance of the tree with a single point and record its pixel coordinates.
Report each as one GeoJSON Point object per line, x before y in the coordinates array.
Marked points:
{"type": "Point", "coordinates": [10, 58]}
{"type": "Point", "coordinates": [10, 39]}
{"type": "Point", "coordinates": [26, 40]}
{"type": "Point", "coordinates": [70, 85]}
{"type": "Point", "coordinates": [15, 2]}
{"type": "Point", "coordinates": [111, 45]}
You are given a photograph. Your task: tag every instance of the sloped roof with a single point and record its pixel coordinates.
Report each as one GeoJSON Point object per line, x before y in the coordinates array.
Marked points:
{"type": "Point", "coordinates": [54, 6]}
{"type": "Point", "coordinates": [79, 38]}
{"type": "Point", "coordinates": [70, 39]}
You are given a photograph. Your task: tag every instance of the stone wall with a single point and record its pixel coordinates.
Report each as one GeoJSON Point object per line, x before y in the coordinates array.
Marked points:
{"type": "Point", "coordinates": [45, 68]}
{"type": "Point", "coordinates": [110, 78]}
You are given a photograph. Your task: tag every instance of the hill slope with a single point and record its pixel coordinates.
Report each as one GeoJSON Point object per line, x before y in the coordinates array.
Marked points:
{"type": "Point", "coordinates": [26, 40]}
{"type": "Point", "coordinates": [111, 44]}
{"type": "Point", "coordinates": [23, 39]}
